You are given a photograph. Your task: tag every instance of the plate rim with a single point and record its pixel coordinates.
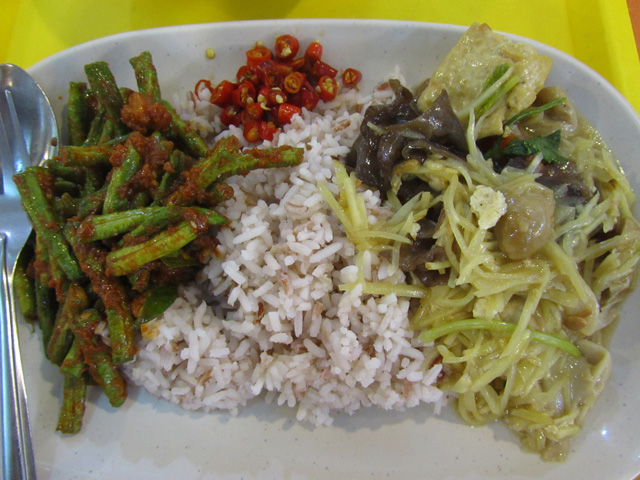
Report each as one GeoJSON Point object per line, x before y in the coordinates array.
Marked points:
{"type": "Point", "coordinates": [45, 63]}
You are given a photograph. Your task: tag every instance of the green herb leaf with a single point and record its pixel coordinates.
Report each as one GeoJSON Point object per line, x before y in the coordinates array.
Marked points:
{"type": "Point", "coordinates": [179, 259]}
{"type": "Point", "coordinates": [157, 300]}
{"type": "Point", "coordinates": [548, 146]}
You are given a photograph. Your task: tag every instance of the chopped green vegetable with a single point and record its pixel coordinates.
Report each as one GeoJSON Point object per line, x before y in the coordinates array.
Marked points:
{"type": "Point", "coordinates": [73, 405]}
{"type": "Point", "coordinates": [138, 221]}
{"type": "Point", "coordinates": [114, 200]}
{"type": "Point", "coordinates": [87, 156]}
{"type": "Point", "coordinates": [97, 355]}
{"type": "Point", "coordinates": [502, 90]}
{"type": "Point", "coordinates": [127, 260]}
{"type": "Point", "coordinates": [23, 284]}
{"type": "Point", "coordinates": [535, 110]}
{"type": "Point", "coordinates": [547, 146]}
{"type": "Point", "coordinates": [121, 218]}
{"type": "Point", "coordinates": [104, 85]}
{"type": "Point", "coordinates": [78, 113]}
{"type": "Point", "coordinates": [146, 75]}
{"type": "Point", "coordinates": [44, 222]}
{"type": "Point", "coordinates": [432, 334]}
{"type": "Point", "coordinates": [76, 301]}
{"type": "Point", "coordinates": [73, 364]}
{"type": "Point", "coordinates": [497, 85]}
{"type": "Point", "coordinates": [157, 300]}
{"type": "Point", "coordinates": [498, 73]}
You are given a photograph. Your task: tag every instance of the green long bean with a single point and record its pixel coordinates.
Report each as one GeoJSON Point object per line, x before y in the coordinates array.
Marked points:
{"type": "Point", "coordinates": [78, 114]}
{"type": "Point", "coordinates": [100, 365]}
{"type": "Point", "coordinates": [87, 156]}
{"type": "Point", "coordinates": [103, 83]}
{"type": "Point", "coordinates": [146, 75]}
{"type": "Point", "coordinates": [115, 200]}
{"type": "Point", "coordinates": [126, 260]}
{"type": "Point", "coordinates": [115, 216]}
{"type": "Point", "coordinates": [37, 206]}
{"type": "Point", "coordinates": [73, 405]}
{"type": "Point", "coordinates": [227, 159]}
{"type": "Point", "coordinates": [112, 293]}
{"type": "Point", "coordinates": [76, 301]}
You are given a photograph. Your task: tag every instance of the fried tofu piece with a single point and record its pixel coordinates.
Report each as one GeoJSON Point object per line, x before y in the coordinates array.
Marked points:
{"type": "Point", "coordinates": [466, 68]}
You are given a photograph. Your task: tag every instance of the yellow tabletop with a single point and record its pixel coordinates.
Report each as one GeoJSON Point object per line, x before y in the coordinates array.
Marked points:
{"type": "Point", "coordinates": [597, 32]}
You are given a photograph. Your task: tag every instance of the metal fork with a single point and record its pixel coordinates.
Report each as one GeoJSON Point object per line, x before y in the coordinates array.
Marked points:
{"type": "Point", "coordinates": [18, 460]}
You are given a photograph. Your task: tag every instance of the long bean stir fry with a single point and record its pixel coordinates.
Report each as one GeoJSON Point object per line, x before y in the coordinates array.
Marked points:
{"type": "Point", "coordinates": [123, 216]}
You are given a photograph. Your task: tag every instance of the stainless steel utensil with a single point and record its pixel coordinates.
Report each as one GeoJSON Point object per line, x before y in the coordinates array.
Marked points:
{"type": "Point", "coordinates": [27, 128]}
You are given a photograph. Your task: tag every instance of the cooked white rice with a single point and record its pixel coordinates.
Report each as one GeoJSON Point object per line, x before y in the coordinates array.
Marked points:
{"type": "Point", "coordinates": [268, 318]}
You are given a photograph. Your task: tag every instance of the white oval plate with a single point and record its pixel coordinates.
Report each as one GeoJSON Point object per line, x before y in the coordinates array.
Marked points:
{"type": "Point", "coordinates": [152, 439]}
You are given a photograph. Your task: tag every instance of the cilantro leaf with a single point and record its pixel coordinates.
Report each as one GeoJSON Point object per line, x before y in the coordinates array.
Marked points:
{"type": "Point", "coordinates": [548, 146]}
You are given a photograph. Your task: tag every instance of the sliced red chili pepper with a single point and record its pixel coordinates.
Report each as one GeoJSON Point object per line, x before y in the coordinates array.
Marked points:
{"type": "Point", "coordinates": [351, 77]}
{"type": "Point", "coordinates": [284, 85]}
{"type": "Point", "coordinates": [266, 75]}
{"type": "Point", "coordinates": [287, 47]}
{"type": "Point", "coordinates": [267, 130]}
{"type": "Point", "coordinates": [297, 64]}
{"type": "Point", "coordinates": [247, 73]}
{"type": "Point", "coordinates": [507, 140]}
{"type": "Point", "coordinates": [251, 131]}
{"type": "Point", "coordinates": [286, 111]}
{"type": "Point", "coordinates": [294, 81]}
{"type": "Point", "coordinates": [230, 116]}
{"type": "Point", "coordinates": [262, 94]}
{"type": "Point", "coordinates": [272, 73]}
{"type": "Point", "coordinates": [328, 88]}
{"type": "Point", "coordinates": [252, 112]}
{"type": "Point", "coordinates": [271, 97]}
{"type": "Point", "coordinates": [276, 97]}
{"type": "Point", "coordinates": [200, 85]}
{"type": "Point", "coordinates": [244, 93]}
{"type": "Point", "coordinates": [307, 97]}
{"type": "Point", "coordinates": [322, 69]}
{"type": "Point", "coordinates": [313, 52]}
{"type": "Point", "coordinates": [221, 94]}
{"type": "Point", "coordinates": [257, 55]}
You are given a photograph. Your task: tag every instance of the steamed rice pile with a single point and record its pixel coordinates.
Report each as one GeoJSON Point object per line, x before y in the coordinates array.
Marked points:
{"type": "Point", "coordinates": [268, 318]}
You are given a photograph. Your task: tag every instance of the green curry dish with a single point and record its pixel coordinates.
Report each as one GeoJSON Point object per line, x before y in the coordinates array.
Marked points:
{"type": "Point", "coordinates": [519, 309]}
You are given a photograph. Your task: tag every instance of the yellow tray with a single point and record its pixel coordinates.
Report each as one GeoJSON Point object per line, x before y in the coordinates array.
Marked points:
{"type": "Point", "coordinates": [596, 32]}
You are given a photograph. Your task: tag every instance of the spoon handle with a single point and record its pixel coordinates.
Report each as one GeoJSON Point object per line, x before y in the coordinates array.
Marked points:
{"type": "Point", "coordinates": [17, 451]}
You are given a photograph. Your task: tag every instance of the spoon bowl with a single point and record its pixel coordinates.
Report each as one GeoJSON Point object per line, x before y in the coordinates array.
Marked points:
{"type": "Point", "coordinates": [37, 119]}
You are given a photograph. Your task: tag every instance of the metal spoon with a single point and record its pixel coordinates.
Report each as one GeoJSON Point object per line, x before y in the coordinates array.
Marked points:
{"type": "Point", "coordinates": [38, 127]}
{"type": "Point", "coordinates": [34, 110]}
